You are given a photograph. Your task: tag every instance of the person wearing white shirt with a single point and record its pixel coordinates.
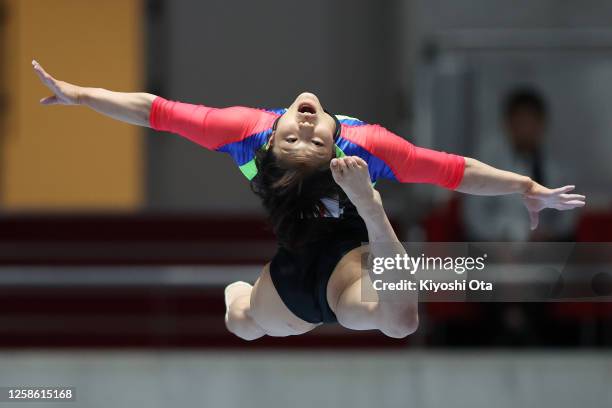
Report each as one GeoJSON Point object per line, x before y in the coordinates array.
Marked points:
{"type": "Point", "coordinates": [525, 116]}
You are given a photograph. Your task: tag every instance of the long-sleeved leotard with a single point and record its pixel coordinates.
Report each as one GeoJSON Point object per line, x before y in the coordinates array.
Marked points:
{"type": "Point", "coordinates": [241, 131]}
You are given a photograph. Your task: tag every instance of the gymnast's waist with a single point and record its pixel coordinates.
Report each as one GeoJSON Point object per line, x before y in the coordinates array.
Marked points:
{"type": "Point", "coordinates": [319, 231]}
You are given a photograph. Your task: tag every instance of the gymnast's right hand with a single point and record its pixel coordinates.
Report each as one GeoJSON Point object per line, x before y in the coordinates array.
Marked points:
{"type": "Point", "coordinates": [63, 92]}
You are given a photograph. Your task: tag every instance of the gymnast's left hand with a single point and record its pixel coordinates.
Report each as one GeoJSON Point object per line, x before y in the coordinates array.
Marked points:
{"type": "Point", "coordinates": [538, 197]}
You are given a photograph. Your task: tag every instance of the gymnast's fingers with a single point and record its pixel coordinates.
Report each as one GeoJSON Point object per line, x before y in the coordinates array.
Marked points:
{"type": "Point", "coordinates": [342, 164]}
{"type": "Point", "coordinates": [572, 197]}
{"type": "Point", "coordinates": [49, 100]}
{"type": "Point", "coordinates": [46, 79]}
{"type": "Point", "coordinates": [563, 189]}
{"type": "Point", "coordinates": [360, 162]}
{"type": "Point", "coordinates": [534, 218]}
{"type": "Point", "coordinates": [574, 203]}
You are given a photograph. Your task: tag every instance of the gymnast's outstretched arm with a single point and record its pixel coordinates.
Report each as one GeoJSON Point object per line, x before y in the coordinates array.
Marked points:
{"type": "Point", "coordinates": [408, 163]}
{"type": "Point", "coordinates": [209, 127]}
{"type": "Point", "coordinates": [132, 108]}
{"type": "Point", "coordinates": [481, 179]}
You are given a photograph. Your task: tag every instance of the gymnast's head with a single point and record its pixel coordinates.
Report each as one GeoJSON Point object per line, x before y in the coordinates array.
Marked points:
{"type": "Point", "coordinates": [293, 174]}
{"type": "Point", "coordinates": [303, 136]}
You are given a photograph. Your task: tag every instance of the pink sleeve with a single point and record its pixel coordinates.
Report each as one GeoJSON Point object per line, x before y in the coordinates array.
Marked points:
{"type": "Point", "coordinates": [206, 126]}
{"type": "Point", "coordinates": [433, 167]}
{"type": "Point", "coordinates": [411, 164]}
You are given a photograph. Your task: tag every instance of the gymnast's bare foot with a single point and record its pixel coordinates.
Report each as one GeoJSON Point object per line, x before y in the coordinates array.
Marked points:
{"type": "Point", "coordinates": [234, 291]}
{"type": "Point", "coordinates": [351, 173]}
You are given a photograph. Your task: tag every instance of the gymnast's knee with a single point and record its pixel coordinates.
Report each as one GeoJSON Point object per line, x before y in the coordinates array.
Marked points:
{"type": "Point", "coordinates": [402, 323]}
{"type": "Point", "coordinates": [243, 326]}
{"type": "Point", "coordinates": [356, 317]}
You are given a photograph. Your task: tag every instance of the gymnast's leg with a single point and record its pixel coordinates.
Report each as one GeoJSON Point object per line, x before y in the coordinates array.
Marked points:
{"type": "Point", "coordinates": [254, 311]}
{"type": "Point", "coordinates": [238, 317]}
{"type": "Point", "coordinates": [394, 317]}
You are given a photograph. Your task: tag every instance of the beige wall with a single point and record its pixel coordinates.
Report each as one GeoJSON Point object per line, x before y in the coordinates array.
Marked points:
{"type": "Point", "coordinates": [68, 157]}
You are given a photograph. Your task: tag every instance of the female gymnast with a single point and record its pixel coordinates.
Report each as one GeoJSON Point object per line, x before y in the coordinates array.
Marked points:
{"type": "Point", "coordinates": [295, 159]}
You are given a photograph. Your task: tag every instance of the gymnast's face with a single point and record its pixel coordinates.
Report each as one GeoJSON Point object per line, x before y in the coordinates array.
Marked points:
{"type": "Point", "coordinates": [304, 134]}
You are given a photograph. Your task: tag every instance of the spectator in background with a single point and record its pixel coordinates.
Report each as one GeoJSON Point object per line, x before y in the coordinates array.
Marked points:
{"type": "Point", "coordinates": [525, 121]}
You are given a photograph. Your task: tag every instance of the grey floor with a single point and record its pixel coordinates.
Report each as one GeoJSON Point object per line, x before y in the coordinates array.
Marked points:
{"type": "Point", "coordinates": [316, 379]}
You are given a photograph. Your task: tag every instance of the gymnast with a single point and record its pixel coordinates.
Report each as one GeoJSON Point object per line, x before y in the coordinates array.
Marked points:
{"type": "Point", "coordinates": [314, 173]}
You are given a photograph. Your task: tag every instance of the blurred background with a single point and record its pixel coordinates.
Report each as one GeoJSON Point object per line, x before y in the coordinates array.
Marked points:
{"type": "Point", "coordinates": [116, 242]}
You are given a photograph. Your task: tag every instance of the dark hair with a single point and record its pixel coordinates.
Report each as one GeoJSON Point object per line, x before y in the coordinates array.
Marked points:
{"type": "Point", "coordinates": [525, 97]}
{"type": "Point", "coordinates": [290, 194]}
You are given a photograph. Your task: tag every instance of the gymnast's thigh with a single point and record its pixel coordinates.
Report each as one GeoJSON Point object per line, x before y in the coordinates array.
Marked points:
{"type": "Point", "coordinates": [270, 312]}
